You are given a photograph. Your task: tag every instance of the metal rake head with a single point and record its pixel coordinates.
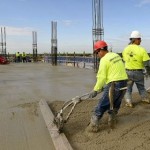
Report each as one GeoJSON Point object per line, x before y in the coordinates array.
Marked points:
{"type": "Point", "coordinates": [59, 122]}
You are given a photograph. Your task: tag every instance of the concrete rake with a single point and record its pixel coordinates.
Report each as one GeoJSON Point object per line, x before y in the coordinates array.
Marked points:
{"type": "Point", "coordinates": [59, 119]}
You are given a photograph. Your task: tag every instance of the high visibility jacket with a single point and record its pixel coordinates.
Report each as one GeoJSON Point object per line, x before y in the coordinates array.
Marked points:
{"type": "Point", "coordinates": [23, 54]}
{"type": "Point", "coordinates": [134, 55]}
{"type": "Point", "coordinates": [111, 68]}
{"type": "Point", "coordinates": [17, 54]}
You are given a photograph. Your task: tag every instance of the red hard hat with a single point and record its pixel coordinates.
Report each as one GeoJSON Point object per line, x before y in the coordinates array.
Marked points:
{"type": "Point", "coordinates": [99, 45]}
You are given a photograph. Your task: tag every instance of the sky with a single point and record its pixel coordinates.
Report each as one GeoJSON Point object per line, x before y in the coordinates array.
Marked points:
{"type": "Point", "coordinates": [74, 24]}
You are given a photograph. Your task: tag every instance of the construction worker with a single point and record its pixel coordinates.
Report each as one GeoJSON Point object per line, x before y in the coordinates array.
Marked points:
{"type": "Point", "coordinates": [136, 58]}
{"type": "Point", "coordinates": [24, 57]}
{"type": "Point", "coordinates": [18, 57]}
{"type": "Point", "coordinates": [111, 72]}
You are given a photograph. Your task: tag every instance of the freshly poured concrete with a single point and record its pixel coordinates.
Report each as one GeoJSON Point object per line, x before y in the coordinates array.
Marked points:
{"type": "Point", "coordinates": [22, 126]}
{"type": "Point", "coordinates": [22, 86]}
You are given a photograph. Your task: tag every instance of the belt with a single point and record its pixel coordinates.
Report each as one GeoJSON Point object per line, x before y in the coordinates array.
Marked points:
{"type": "Point", "coordinates": [120, 80]}
{"type": "Point", "coordinates": [134, 69]}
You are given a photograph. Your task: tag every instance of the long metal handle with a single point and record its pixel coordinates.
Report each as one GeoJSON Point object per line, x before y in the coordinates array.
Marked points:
{"type": "Point", "coordinates": [111, 95]}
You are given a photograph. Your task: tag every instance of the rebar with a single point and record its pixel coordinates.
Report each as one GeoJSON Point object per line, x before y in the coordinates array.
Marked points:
{"type": "Point", "coordinates": [54, 42]}
{"type": "Point", "coordinates": [97, 29]}
{"type": "Point", "coordinates": [34, 36]}
{"type": "Point", "coordinates": [3, 43]}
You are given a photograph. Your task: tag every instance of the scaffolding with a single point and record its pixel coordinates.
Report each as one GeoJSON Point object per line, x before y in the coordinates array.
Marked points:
{"type": "Point", "coordinates": [97, 29]}
{"type": "Point", "coordinates": [54, 43]}
{"type": "Point", "coordinates": [3, 43]}
{"type": "Point", "coordinates": [34, 36]}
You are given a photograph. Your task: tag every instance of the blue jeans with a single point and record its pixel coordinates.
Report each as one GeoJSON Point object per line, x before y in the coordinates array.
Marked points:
{"type": "Point", "coordinates": [136, 77]}
{"type": "Point", "coordinates": [118, 95]}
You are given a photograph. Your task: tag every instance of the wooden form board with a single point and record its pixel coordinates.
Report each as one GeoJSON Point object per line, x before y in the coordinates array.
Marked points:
{"type": "Point", "coordinates": [60, 141]}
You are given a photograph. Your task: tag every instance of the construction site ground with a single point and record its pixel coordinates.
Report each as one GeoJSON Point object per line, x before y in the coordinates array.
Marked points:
{"type": "Point", "coordinates": [22, 127]}
{"type": "Point", "coordinates": [22, 86]}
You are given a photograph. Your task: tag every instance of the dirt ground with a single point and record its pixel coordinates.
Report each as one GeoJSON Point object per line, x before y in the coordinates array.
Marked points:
{"type": "Point", "coordinates": [132, 131]}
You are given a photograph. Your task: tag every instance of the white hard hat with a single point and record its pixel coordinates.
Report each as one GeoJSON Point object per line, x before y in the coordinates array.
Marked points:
{"type": "Point", "coordinates": [135, 34]}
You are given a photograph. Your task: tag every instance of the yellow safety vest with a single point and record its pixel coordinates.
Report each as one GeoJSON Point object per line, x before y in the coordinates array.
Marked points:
{"type": "Point", "coordinates": [134, 55]}
{"type": "Point", "coordinates": [23, 55]}
{"type": "Point", "coordinates": [111, 68]}
{"type": "Point", "coordinates": [17, 54]}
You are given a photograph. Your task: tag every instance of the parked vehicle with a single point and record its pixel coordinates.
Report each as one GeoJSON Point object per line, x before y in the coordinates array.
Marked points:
{"type": "Point", "coordinates": [3, 60]}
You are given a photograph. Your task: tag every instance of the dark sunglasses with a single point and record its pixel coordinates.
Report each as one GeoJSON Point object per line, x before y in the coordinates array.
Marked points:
{"type": "Point", "coordinates": [97, 51]}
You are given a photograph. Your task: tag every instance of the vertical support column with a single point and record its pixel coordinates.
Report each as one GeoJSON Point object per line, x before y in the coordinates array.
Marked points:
{"type": "Point", "coordinates": [5, 54]}
{"type": "Point", "coordinates": [34, 36]}
{"type": "Point", "coordinates": [3, 43]}
{"type": "Point", "coordinates": [54, 43]}
{"type": "Point", "coordinates": [97, 30]}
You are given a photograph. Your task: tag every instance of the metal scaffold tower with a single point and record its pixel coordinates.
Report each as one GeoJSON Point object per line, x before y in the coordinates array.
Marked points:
{"type": "Point", "coordinates": [34, 36]}
{"type": "Point", "coordinates": [54, 43]}
{"type": "Point", "coordinates": [3, 42]}
{"type": "Point", "coordinates": [97, 30]}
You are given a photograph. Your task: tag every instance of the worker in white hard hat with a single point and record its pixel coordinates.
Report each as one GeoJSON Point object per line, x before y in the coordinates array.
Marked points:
{"type": "Point", "coordinates": [136, 60]}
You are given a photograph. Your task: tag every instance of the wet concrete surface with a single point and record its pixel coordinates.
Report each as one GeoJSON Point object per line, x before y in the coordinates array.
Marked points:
{"type": "Point", "coordinates": [22, 86]}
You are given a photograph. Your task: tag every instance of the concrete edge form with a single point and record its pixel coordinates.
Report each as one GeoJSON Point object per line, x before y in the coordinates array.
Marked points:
{"type": "Point", "coordinates": [60, 141]}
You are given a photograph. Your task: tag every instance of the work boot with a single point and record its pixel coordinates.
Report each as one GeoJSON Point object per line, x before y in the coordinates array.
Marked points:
{"type": "Point", "coordinates": [129, 103]}
{"type": "Point", "coordinates": [146, 100]}
{"type": "Point", "coordinates": [94, 124]}
{"type": "Point", "coordinates": [112, 120]}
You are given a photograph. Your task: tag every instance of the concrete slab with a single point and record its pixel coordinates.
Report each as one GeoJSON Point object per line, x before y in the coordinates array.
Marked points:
{"type": "Point", "coordinates": [22, 86]}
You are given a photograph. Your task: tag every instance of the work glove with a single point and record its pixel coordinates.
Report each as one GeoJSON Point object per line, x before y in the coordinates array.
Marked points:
{"type": "Point", "coordinates": [92, 94]}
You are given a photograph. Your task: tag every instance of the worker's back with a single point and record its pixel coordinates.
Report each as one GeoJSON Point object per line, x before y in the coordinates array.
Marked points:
{"type": "Point", "coordinates": [114, 67]}
{"type": "Point", "coordinates": [134, 55]}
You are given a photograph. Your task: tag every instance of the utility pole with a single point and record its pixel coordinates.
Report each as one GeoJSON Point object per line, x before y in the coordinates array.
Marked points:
{"type": "Point", "coordinates": [97, 30]}
{"type": "Point", "coordinates": [54, 43]}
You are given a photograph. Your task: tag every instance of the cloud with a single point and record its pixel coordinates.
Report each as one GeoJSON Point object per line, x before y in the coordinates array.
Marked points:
{"type": "Point", "coordinates": [14, 31]}
{"type": "Point", "coordinates": [67, 22]}
{"type": "Point", "coordinates": [72, 22]}
{"type": "Point", "coordinates": [143, 2]}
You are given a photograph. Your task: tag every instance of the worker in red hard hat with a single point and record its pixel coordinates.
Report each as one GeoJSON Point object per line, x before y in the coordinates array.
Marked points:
{"type": "Point", "coordinates": [136, 60]}
{"type": "Point", "coordinates": [111, 72]}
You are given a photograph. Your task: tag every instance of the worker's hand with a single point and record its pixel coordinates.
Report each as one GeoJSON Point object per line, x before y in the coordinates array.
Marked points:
{"type": "Point", "coordinates": [92, 94]}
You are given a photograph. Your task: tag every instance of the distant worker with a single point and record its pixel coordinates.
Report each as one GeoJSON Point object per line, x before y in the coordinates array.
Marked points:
{"type": "Point", "coordinates": [18, 57]}
{"type": "Point", "coordinates": [112, 74]}
{"type": "Point", "coordinates": [24, 59]}
{"type": "Point", "coordinates": [136, 58]}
